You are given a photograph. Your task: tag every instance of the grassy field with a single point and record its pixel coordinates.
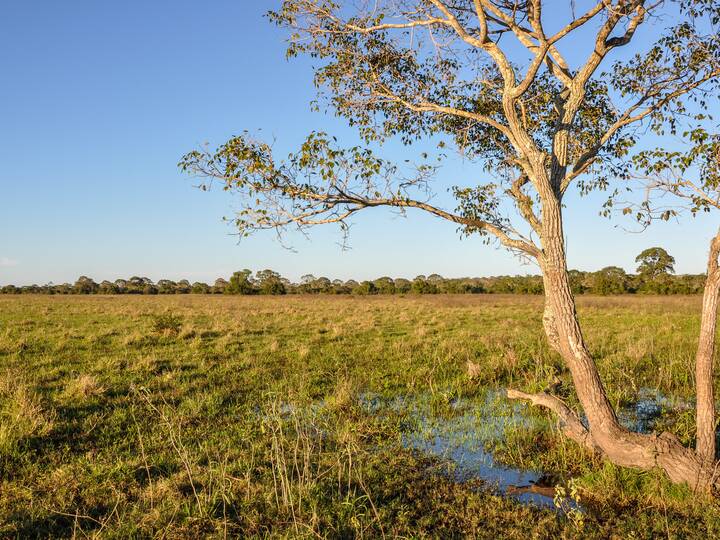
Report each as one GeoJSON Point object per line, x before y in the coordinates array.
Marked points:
{"type": "Point", "coordinates": [196, 416]}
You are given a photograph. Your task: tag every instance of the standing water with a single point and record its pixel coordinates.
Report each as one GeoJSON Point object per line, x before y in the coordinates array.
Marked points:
{"type": "Point", "coordinates": [460, 431]}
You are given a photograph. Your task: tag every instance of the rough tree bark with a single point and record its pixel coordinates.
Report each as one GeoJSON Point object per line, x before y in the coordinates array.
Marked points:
{"type": "Point", "coordinates": [705, 408]}
{"type": "Point", "coordinates": [539, 125]}
{"type": "Point", "coordinates": [604, 432]}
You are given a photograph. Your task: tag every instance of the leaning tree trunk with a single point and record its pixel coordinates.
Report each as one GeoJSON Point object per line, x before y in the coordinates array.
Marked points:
{"type": "Point", "coordinates": [604, 433]}
{"type": "Point", "coordinates": [705, 408]}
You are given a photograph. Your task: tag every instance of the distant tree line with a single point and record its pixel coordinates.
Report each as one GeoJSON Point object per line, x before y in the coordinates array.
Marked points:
{"type": "Point", "coordinates": [655, 275]}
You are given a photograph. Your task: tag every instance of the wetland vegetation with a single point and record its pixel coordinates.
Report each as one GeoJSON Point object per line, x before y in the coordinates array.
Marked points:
{"type": "Point", "coordinates": [331, 416]}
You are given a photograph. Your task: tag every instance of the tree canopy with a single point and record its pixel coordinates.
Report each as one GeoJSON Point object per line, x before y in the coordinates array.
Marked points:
{"type": "Point", "coordinates": [432, 68]}
{"type": "Point", "coordinates": [654, 262]}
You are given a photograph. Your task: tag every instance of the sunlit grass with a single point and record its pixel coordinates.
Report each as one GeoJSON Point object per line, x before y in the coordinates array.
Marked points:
{"type": "Point", "coordinates": [196, 416]}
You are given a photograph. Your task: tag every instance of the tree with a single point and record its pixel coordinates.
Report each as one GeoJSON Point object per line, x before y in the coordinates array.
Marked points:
{"type": "Point", "coordinates": [200, 288]}
{"type": "Point", "coordinates": [339, 287]}
{"type": "Point", "coordinates": [365, 288]}
{"type": "Point", "coordinates": [538, 126]}
{"type": "Point", "coordinates": [149, 288]}
{"type": "Point", "coordinates": [219, 286]}
{"type": "Point", "coordinates": [166, 286]}
{"type": "Point", "coordinates": [654, 262]}
{"type": "Point", "coordinates": [107, 287]}
{"type": "Point", "coordinates": [351, 284]}
{"type": "Point", "coordinates": [85, 285]}
{"type": "Point", "coordinates": [576, 278]}
{"type": "Point", "coordinates": [270, 282]}
{"type": "Point", "coordinates": [692, 175]}
{"type": "Point", "coordinates": [63, 288]}
{"type": "Point", "coordinates": [182, 287]}
{"type": "Point", "coordinates": [322, 285]}
{"type": "Point", "coordinates": [384, 285]}
{"type": "Point", "coordinates": [609, 280]}
{"type": "Point", "coordinates": [402, 285]}
{"type": "Point", "coordinates": [122, 286]}
{"type": "Point", "coordinates": [306, 284]}
{"type": "Point", "coordinates": [421, 285]}
{"type": "Point", "coordinates": [140, 285]}
{"type": "Point", "coordinates": [240, 283]}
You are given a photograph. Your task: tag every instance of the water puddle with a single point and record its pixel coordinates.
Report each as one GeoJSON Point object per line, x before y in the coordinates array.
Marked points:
{"type": "Point", "coordinates": [459, 434]}
{"type": "Point", "coordinates": [471, 461]}
{"type": "Point", "coordinates": [460, 431]}
{"type": "Point", "coordinates": [649, 411]}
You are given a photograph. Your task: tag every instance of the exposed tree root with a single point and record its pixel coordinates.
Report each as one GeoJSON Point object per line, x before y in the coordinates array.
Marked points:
{"type": "Point", "coordinates": [570, 423]}
{"type": "Point", "coordinates": [625, 448]}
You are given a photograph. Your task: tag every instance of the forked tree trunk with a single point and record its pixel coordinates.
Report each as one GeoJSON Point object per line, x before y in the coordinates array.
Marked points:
{"type": "Point", "coordinates": [705, 408]}
{"type": "Point", "coordinates": [604, 433]}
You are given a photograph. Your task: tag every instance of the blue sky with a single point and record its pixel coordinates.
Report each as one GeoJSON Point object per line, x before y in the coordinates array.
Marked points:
{"type": "Point", "coordinates": [98, 102]}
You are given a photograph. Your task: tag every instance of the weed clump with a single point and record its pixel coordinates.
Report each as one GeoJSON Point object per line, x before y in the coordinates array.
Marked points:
{"type": "Point", "coordinates": [22, 416]}
{"type": "Point", "coordinates": [167, 324]}
{"type": "Point", "coordinates": [83, 387]}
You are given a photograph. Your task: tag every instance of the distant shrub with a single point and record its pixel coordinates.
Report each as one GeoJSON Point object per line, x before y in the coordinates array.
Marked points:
{"type": "Point", "coordinates": [167, 323]}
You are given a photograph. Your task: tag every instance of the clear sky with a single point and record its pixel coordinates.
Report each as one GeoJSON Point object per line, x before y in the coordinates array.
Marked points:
{"type": "Point", "coordinates": [98, 102]}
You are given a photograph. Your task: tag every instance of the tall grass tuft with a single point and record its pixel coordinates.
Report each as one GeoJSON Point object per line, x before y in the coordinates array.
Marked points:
{"type": "Point", "coordinates": [22, 416]}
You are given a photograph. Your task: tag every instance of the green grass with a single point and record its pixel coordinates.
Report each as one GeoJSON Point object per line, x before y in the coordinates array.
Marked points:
{"type": "Point", "coordinates": [196, 416]}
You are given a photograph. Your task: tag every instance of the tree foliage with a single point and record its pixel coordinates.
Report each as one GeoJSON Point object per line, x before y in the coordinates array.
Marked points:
{"type": "Point", "coordinates": [420, 69]}
{"type": "Point", "coordinates": [655, 262]}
